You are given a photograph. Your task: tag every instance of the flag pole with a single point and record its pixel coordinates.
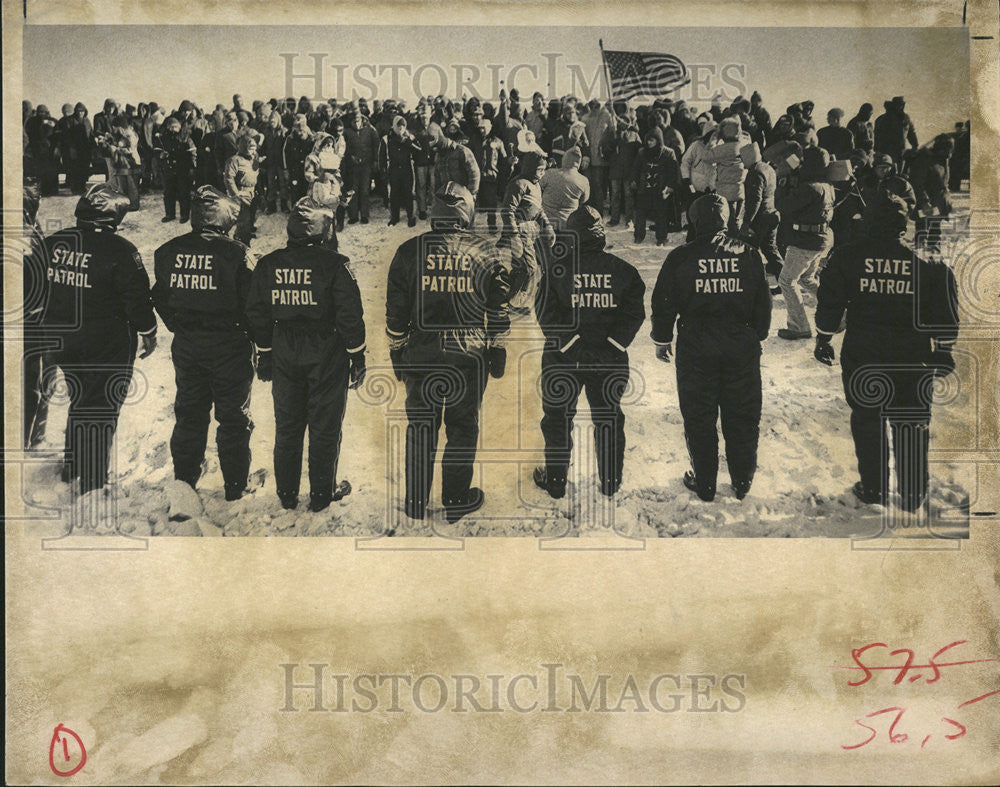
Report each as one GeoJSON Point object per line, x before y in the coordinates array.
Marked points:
{"type": "Point", "coordinates": [604, 68]}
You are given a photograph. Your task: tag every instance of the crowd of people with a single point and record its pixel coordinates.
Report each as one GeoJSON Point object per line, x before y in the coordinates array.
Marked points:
{"type": "Point", "coordinates": [810, 207]}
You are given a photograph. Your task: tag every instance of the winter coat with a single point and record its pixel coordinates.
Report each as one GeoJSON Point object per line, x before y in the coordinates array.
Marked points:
{"type": "Point", "coordinates": [729, 169]}
{"type": "Point", "coordinates": [697, 168]}
{"type": "Point", "coordinates": [456, 163]}
{"type": "Point", "coordinates": [863, 132]}
{"type": "Point", "coordinates": [893, 130]}
{"type": "Point", "coordinates": [627, 142]}
{"type": "Point", "coordinates": [240, 177]}
{"type": "Point", "coordinates": [656, 168]}
{"type": "Point", "coordinates": [600, 127]}
{"type": "Point", "coordinates": [177, 151]}
{"type": "Point", "coordinates": [563, 191]}
{"type": "Point", "coordinates": [837, 141]}
{"type": "Point", "coordinates": [362, 145]}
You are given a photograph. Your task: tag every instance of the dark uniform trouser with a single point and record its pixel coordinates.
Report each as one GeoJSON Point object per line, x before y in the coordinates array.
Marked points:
{"type": "Point", "coordinates": [604, 383]}
{"type": "Point", "coordinates": [451, 393]}
{"type": "Point", "coordinates": [896, 394]}
{"type": "Point", "coordinates": [719, 370]}
{"type": "Point", "coordinates": [401, 195]}
{"type": "Point", "coordinates": [311, 372]}
{"type": "Point", "coordinates": [212, 368]}
{"type": "Point", "coordinates": [39, 374]}
{"type": "Point", "coordinates": [97, 364]}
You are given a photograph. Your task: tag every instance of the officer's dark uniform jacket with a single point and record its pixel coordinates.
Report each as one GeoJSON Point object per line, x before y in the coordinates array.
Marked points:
{"type": "Point", "coordinates": [97, 302]}
{"type": "Point", "coordinates": [305, 289]}
{"type": "Point", "coordinates": [714, 288]}
{"type": "Point", "coordinates": [97, 282]}
{"type": "Point", "coordinates": [887, 293]}
{"type": "Point", "coordinates": [202, 281]}
{"type": "Point", "coordinates": [591, 303]}
{"type": "Point", "coordinates": [715, 285]}
{"type": "Point", "coordinates": [901, 319]}
{"type": "Point", "coordinates": [447, 293]}
{"type": "Point", "coordinates": [305, 303]}
{"type": "Point", "coordinates": [201, 289]}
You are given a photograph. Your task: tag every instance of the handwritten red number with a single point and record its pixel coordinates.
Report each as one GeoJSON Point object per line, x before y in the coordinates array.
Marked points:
{"type": "Point", "coordinates": [894, 737]}
{"type": "Point", "coordinates": [61, 734]}
{"type": "Point", "coordinates": [961, 727]}
{"type": "Point", "coordinates": [856, 655]}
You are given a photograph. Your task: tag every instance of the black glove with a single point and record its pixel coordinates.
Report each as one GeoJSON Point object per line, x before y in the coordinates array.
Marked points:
{"type": "Point", "coordinates": [943, 363]}
{"type": "Point", "coordinates": [396, 356]}
{"type": "Point", "coordinates": [824, 350]}
{"type": "Point", "coordinates": [149, 344]}
{"type": "Point", "coordinates": [265, 366]}
{"type": "Point", "coordinates": [497, 357]}
{"type": "Point", "coordinates": [357, 369]}
{"type": "Point", "coordinates": [664, 352]}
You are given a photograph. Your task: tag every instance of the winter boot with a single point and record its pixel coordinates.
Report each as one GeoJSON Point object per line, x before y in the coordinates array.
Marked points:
{"type": "Point", "coordinates": [741, 488]}
{"type": "Point", "coordinates": [289, 500]}
{"type": "Point", "coordinates": [555, 489]}
{"type": "Point", "coordinates": [708, 495]}
{"type": "Point", "coordinates": [868, 496]}
{"type": "Point", "coordinates": [455, 508]}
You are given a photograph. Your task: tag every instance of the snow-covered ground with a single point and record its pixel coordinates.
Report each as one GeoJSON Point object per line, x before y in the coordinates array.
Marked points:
{"type": "Point", "coordinates": [802, 487]}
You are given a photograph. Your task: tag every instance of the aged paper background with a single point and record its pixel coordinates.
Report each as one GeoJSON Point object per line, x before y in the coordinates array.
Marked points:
{"type": "Point", "coordinates": [167, 661]}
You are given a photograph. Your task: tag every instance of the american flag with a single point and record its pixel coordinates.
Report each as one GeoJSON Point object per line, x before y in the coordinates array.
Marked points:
{"type": "Point", "coordinates": [644, 73]}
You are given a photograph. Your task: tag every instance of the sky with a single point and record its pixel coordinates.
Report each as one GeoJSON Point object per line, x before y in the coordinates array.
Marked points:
{"type": "Point", "coordinates": [841, 67]}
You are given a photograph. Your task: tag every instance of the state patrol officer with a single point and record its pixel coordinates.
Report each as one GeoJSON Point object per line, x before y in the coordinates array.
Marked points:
{"type": "Point", "coordinates": [447, 319]}
{"type": "Point", "coordinates": [714, 288]}
{"type": "Point", "coordinates": [902, 322]}
{"type": "Point", "coordinates": [98, 309]}
{"type": "Point", "coordinates": [590, 305]}
{"type": "Point", "coordinates": [305, 312]}
{"type": "Point", "coordinates": [202, 283]}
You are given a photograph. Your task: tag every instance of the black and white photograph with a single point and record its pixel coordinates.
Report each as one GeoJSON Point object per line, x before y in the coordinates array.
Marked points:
{"type": "Point", "coordinates": [656, 285]}
{"type": "Point", "coordinates": [501, 392]}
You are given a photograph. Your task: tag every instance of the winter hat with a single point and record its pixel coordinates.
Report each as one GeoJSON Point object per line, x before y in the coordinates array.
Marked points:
{"type": "Point", "coordinates": [708, 127]}
{"type": "Point", "coordinates": [399, 122]}
{"type": "Point", "coordinates": [530, 162]}
{"type": "Point", "coordinates": [814, 163]}
{"type": "Point", "coordinates": [750, 154]}
{"type": "Point", "coordinates": [309, 221]}
{"type": "Point", "coordinates": [886, 215]}
{"type": "Point", "coordinates": [709, 214]}
{"type": "Point", "coordinates": [453, 204]}
{"type": "Point", "coordinates": [654, 133]}
{"type": "Point", "coordinates": [172, 124]}
{"type": "Point", "coordinates": [80, 107]}
{"type": "Point", "coordinates": [730, 127]}
{"type": "Point", "coordinates": [244, 144]}
{"type": "Point", "coordinates": [526, 142]}
{"type": "Point", "coordinates": [883, 159]}
{"type": "Point", "coordinates": [102, 207]}
{"type": "Point", "coordinates": [836, 112]}
{"type": "Point", "coordinates": [588, 226]}
{"type": "Point", "coordinates": [898, 102]}
{"type": "Point", "coordinates": [860, 158]}
{"type": "Point", "coordinates": [756, 98]}
{"type": "Point", "coordinates": [571, 158]}
{"type": "Point", "coordinates": [211, 209]}
{"type": "Point", "coordinates": [67, 109]}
